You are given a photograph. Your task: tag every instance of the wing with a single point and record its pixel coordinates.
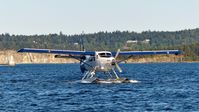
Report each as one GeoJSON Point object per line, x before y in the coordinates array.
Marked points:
{"type": "Point", "coordinates": [54, 51]}
{"type": "Point", "coordinates": [176, 52]}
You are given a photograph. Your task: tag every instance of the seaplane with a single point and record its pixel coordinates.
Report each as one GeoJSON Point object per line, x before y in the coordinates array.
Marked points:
{"type": "Point", "coordinates": [104, 62]}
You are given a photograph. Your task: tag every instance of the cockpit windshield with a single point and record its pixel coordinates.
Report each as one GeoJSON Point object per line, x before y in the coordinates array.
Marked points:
{"type": "Point", "coordinates": [105, 55]}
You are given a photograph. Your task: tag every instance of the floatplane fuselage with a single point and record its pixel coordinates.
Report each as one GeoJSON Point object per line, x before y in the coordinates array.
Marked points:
{"type": "Point", "coordinates": [102, 61]}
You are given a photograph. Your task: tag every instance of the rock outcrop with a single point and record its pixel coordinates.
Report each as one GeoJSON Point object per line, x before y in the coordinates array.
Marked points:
{"type": "Point", "coordinates": [25, 58]}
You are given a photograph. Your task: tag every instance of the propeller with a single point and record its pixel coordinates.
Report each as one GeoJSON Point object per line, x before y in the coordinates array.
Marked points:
{"type": "Point", "coordinates": [117, 53]}
{"type": "Point", "coordinates": [116, 64]}
{"type": "Point", "coordinates": [118, 67]}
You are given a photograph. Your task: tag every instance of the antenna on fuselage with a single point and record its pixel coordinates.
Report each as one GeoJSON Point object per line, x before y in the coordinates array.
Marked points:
{"type": "Point", "coordinates": [82, 42]}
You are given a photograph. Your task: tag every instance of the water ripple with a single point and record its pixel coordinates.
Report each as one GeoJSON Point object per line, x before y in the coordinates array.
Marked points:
{"type": "Point", "coordinates": [57, 87]}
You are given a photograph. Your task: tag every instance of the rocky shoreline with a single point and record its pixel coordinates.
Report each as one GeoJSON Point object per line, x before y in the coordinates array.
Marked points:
{"type": "Point", "coordinates": [28, 58]}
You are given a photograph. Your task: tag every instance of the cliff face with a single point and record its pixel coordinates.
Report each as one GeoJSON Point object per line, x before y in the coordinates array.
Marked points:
{"type": "Point", "coordinates": [22, 58]}
{"type": "Point", "coordinates": [158, 58]}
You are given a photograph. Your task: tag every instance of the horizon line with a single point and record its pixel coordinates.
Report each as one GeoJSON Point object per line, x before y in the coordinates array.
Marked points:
{"type": "Point", "coordinates": [87, 33]}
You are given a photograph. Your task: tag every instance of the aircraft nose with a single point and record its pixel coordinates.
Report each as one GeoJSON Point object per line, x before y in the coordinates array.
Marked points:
{"type": "Point", "coordinates": [113, 62]}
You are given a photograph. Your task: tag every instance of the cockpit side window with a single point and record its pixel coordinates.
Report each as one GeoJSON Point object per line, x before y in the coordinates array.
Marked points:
{"type": "Point", "coordinates": [108, 54]}
{"type": "Point", "coordinates": [102, 54]}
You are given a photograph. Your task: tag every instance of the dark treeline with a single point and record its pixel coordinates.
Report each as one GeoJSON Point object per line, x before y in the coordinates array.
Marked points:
{"type": "Point", "coordinates": [186, 40]}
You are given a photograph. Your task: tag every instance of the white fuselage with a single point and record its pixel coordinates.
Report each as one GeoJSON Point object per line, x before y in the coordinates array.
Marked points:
{"type": "Point", "coordinates": [102, 61]}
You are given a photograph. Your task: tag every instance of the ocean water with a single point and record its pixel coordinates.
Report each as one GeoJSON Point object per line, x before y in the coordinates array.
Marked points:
{"type": "Point", "coordinates": [56, 88]}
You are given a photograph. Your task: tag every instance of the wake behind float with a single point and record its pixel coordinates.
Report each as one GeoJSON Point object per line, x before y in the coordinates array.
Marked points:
{"type": "Point", "coordinates": [108, 81]}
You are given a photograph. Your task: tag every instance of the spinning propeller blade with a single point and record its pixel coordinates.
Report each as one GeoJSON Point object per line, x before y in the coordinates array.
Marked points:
{"type": "Point", "coordinates": [116, 64]}
{"type": "Point", "coordinates": [118, 67]}
{"type": "Point", "coordinates": [118, 51]}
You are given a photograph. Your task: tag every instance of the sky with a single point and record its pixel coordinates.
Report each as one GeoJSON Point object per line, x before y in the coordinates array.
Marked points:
{"type": "Point", "coordinates": [29, 17]}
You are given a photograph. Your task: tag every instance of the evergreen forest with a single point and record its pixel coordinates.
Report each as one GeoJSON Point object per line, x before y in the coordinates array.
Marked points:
{"type": "Point", "coordinates": [185, 40]}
